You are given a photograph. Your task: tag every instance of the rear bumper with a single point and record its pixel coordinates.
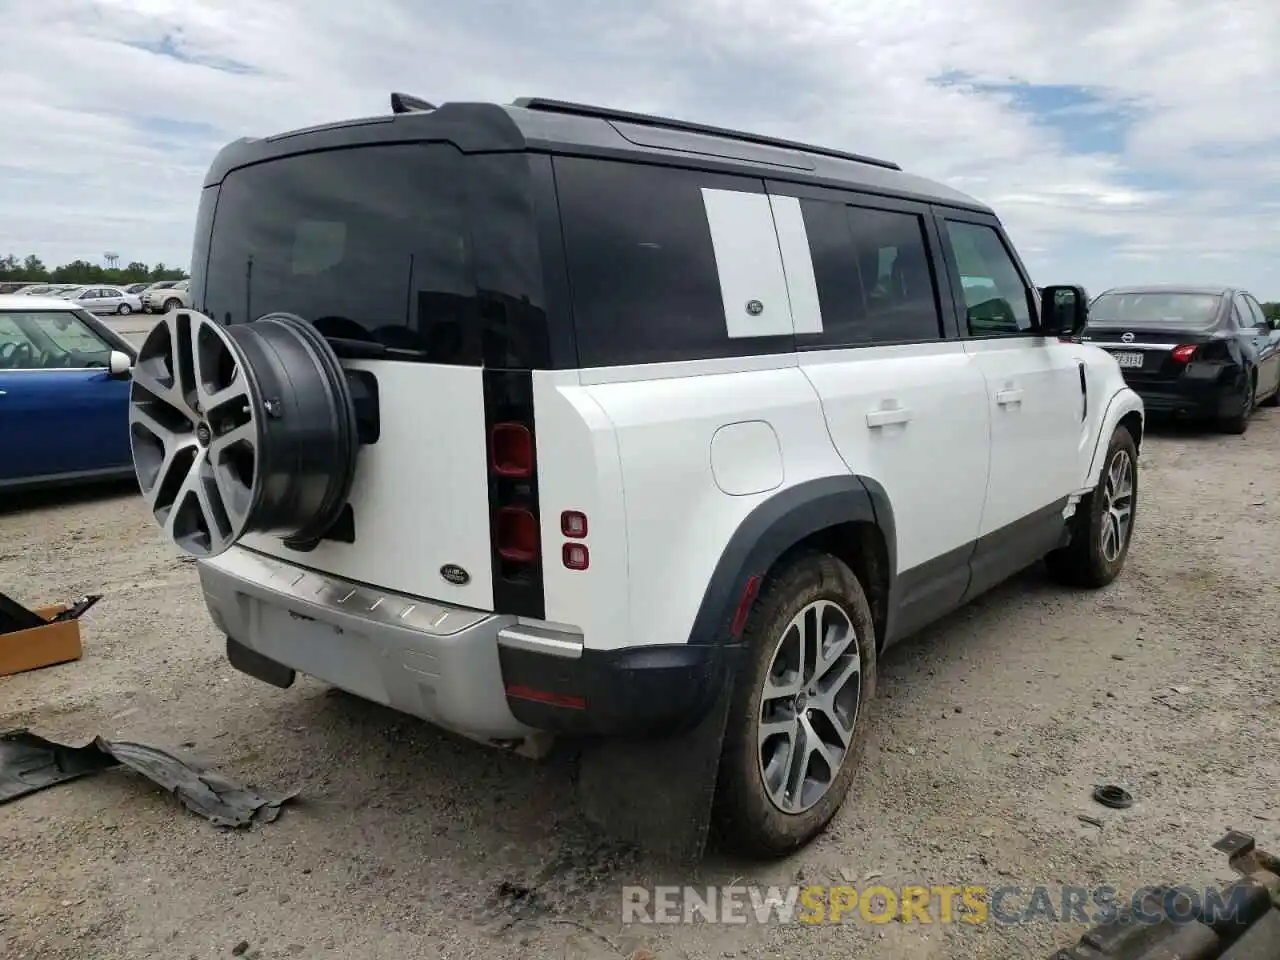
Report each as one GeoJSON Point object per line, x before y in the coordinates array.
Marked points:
{"type": "Point", "coordinates": [1217, 395]}
{"type": "Point", "coordinates": [486, 676]}
{"type": "Point", "coordinates": [634, 692]}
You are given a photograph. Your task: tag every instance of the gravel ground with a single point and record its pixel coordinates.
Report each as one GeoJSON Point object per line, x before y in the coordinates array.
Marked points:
{"type": "Point", "coordinates": [989, 734]}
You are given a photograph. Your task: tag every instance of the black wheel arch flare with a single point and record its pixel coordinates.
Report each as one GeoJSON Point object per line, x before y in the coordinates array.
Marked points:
{"type": "Point", "coordinates": [777, 525]}
{"type": "Point", "coordinates": [667, 688]}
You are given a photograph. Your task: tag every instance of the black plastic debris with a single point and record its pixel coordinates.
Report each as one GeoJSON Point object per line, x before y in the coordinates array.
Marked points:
{"type": "Point", "coordinates": [29, 763]}
{"type": "Point", "coordinates": [1239, 921]}
{"type": "Point", "coordinates": [77, 608]}
{"type": "Point", "coordinates": [1109, 795]}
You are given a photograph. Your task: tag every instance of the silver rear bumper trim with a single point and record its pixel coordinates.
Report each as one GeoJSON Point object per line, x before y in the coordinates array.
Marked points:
{"type": "Point", "coordinates": [533, 639]}
{"type": "Point", "coordinates": [343, 596]}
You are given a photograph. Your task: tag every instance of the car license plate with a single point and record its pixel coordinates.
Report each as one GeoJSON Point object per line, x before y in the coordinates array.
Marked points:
{"type": "Point", "coordinates": [1129, 360]}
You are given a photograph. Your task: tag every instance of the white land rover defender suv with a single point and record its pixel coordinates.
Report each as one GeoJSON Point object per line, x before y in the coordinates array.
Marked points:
{"type": "Point", "coordinates": [552, 419]}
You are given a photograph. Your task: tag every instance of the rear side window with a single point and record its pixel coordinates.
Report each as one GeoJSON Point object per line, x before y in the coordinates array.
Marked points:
{"type": "Point", "coordinates": [643, 270]}
{"type": "Point", "coordinates": [1259, 318]}
{"type": "Point", "coordinates": [875, 282]}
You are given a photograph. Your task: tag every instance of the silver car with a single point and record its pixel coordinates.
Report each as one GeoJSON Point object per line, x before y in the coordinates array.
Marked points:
{"type": "Point", "coordinates": [174, 295]}
{"type": "Point", "coordinates": [105, 300]}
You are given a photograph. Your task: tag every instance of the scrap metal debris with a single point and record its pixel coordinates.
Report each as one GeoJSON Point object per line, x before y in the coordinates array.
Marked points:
{"type": "Point", "coordinates": [29, 763]}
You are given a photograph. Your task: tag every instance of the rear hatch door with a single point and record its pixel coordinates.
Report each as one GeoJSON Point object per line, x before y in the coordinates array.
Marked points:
{"type": "Point", "coordinates": [373, 244]}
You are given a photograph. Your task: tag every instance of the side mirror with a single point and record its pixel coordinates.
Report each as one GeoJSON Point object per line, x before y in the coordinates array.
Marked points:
{"type": "Point", "coordinates": [1064, 310]}
{"type": "Point", "coordinates": [119, 364]}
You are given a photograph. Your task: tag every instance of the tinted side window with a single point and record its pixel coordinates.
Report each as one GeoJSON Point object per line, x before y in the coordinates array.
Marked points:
{"type": "Point", "coordinates": [875, 283]}
{"type": "Point", "coordinates": [1243, 319]}
{"type": "Point", "coordinates": [1256, 316]}
{"type": "Point", "coordinates": [642, 264]}
{"type": "Point", "coordinates": [996, 299]}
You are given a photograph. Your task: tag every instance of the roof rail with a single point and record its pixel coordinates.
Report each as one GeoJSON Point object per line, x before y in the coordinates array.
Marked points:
{"type": "Point", "coordinates": [404, 103]}
{"type": "Point", "coordinates": [546, 105]}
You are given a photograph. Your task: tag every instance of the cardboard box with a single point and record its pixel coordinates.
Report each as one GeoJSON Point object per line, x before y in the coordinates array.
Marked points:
{"type": "Point", "coordinates": [44, 644]}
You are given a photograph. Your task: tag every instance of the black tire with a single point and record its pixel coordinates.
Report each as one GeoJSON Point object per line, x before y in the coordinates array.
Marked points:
{"type": "Point", "coordinates": [746, 821]}
{"type": "Point", "coordinates": [124, 309]}
{"type": "Point", "coordinates": [1239, 423]}
{"type": "Point", "coordinates": [1082, 562]}
{"type": "Point", "coordinates": [173, 303]}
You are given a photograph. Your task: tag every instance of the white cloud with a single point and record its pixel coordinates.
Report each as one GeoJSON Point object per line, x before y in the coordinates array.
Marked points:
{"type": "Point", "coordinates": [105, 140]}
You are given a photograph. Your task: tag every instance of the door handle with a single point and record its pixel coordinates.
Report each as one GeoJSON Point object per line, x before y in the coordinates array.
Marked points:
{"type": "Point", "coordinates": [1008, 396]}
{"type": "Point", "coordinates": [888, 415]}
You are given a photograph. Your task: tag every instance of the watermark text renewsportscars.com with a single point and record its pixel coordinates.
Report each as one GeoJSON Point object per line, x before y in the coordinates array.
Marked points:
{"type": "Point", "coordinates": [972, 904]}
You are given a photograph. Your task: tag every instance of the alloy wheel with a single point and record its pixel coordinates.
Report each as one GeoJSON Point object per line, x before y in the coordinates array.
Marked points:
{"type": "Point", "coordinates": [809, 706]}
{"type": "Point", "coordinates": [1117, 505]}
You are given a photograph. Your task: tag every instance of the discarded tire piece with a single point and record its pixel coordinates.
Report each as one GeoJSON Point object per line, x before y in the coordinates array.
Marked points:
{"type": "Point", "coordinates": [1117, 798]}
{"type": "Point", "coordinates": [248, 428]}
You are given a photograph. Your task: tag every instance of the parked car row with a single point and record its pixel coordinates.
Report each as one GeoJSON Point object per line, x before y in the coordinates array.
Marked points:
{"type": "Point", "coordinates": [158, 297]}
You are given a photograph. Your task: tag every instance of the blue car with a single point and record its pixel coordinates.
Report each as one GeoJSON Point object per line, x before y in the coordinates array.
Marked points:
{"type": "Point", "coordinates": [64, 395]}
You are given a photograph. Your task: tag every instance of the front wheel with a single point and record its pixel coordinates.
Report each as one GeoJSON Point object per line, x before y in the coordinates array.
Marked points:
{"type": "Point", "coordinates": [124, 309]}
{"type": "Point", "coordinates": [797, 719]}
{"type": "Point", "coordinates": [1102, 527]}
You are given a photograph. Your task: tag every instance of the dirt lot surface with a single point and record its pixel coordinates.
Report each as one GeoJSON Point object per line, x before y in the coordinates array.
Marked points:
{"type": "Point", "coordinates": [990, 732]}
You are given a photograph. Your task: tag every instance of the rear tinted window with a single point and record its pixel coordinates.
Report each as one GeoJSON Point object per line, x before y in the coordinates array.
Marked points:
{"type": "Point", "coordinates": [1156, 309]}
{"type": "Point", "coordinates": [355, 240]}
{"type": "Point", "coordinates": [642, 264]}
{"type": "Point", "coordinates": [874, 280]}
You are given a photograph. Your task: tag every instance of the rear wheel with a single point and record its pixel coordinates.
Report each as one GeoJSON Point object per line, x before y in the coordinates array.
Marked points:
{"type": "Point", "coordinates": [1102, 527]}
{"type": "Point", "coordinates": [796, 723]}
{"type": "Point", "coordinates": [173, 303]}
{"type": "Point", "coordinates": [1239, 423]}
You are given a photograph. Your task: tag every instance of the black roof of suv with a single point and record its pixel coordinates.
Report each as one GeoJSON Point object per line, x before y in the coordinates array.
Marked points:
{"type": "Point", "coordinates": [549, 126]}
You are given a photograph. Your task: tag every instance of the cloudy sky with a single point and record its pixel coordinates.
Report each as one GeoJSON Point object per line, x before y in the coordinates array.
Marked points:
{"type": "Point", "coordinates": [1120, 140]}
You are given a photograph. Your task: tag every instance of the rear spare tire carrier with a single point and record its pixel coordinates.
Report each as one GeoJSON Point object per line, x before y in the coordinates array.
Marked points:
{"type": "Point", "coordinates": [249, 428]}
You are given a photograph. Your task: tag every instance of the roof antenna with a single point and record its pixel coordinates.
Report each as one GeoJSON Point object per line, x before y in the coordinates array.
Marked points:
{"type": "Point", "coordinates": [404, 103]}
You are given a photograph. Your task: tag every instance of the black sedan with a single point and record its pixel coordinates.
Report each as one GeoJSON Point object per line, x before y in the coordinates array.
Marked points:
{"type": "Point", "coordinates": [1204, 352]}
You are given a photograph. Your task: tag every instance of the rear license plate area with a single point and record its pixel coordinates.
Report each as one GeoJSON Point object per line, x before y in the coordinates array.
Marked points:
{"type": "Point", "coordinates": [1128, 361]}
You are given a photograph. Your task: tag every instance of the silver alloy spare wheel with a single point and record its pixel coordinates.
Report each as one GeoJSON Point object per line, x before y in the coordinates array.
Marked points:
{"type": "Point", "coordinates": [809, 706]}
{"type": "Point", "coordinates": [241, 429]}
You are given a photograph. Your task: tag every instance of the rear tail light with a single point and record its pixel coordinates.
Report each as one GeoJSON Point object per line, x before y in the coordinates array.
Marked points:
{"type": "Point", "coordinates": [511, 450]}
{"type": "Point", "coordinates": [576, 556]}
{"type": "Point", "coordinates": [573, 524]}
{"type": "Point", "coordinates": [517, 535]}
{"type": "Point", "coordinates": [1183, 353]}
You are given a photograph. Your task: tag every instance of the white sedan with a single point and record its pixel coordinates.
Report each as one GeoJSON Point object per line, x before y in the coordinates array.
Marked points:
{"type": "Point", "coordinates": [104, 300]}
